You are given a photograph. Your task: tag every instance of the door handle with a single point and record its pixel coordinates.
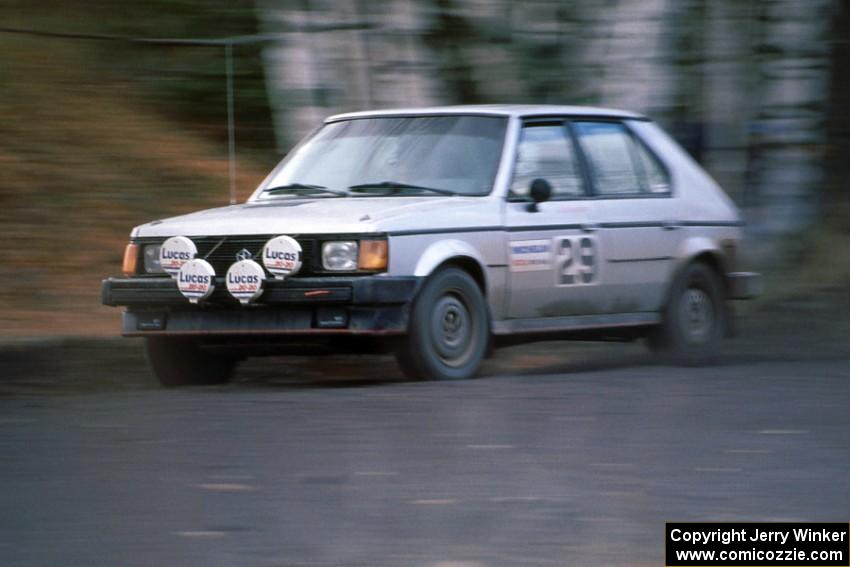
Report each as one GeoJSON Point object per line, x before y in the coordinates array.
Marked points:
{"type": "Point", "coordinates": [589, 227]}
{"type": "Point", "coordinates": [670, 225]}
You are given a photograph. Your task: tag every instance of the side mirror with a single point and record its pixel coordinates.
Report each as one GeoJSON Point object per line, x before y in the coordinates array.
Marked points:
{"type": "Point", "coordinates": [540, 191]}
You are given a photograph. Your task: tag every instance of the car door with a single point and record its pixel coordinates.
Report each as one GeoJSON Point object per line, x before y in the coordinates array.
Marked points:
{"type": "Point", "coordinates": [554, 254]}
{"type": "Point", "coordinates": [639, 232]}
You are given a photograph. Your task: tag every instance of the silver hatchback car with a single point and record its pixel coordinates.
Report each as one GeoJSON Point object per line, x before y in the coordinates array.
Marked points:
{"type": "Point", "coordinates": [441, 233]}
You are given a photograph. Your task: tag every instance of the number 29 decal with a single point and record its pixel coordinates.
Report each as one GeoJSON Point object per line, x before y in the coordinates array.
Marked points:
{"type": "Point", "coordinates": [577, 259]}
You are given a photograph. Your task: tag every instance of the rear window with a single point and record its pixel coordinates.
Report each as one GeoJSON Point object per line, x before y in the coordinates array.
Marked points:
{"type": "Point", "coordinates": [619, 164]}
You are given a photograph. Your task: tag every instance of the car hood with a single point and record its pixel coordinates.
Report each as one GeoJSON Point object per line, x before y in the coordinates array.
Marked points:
{"type": "Point", "coordinates": [327, 216]}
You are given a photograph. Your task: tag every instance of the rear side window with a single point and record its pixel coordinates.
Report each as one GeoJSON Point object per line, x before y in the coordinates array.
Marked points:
{"type": "Point", "coordinates": [656, 178]}
{"type": "Point", "coordinates": [547, 151]}
{"type": "Point", "coordinates": [620, 165]}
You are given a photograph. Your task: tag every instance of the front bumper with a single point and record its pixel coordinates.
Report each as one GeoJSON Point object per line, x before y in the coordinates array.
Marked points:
{"type": "Point", "coordinates": [367, 305]}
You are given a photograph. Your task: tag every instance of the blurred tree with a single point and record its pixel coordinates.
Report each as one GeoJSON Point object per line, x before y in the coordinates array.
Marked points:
{"type": "Point", "coordinates": [687, 22]}
{"type": "Point", "coordinates": [838, 118]}
{"type": "Point", "coordinates": [189, 81]}
{"type": "Point", "coordinates": [788, 127]}
{"type": "Point", "coordinates": [449, 36]}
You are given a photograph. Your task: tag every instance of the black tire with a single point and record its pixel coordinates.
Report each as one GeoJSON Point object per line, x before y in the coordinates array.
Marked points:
{"type": "Point", "coordinates": [181, 362]}
{"type": "Point", "coordinates": [449, 329]}
{"type": "Point", "coordinates": [693, 322]}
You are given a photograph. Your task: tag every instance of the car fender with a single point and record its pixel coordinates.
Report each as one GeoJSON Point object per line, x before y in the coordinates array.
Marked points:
{"type": "Point", "coordinates": [689, 249]}
{"type": "Point", "coordinates": [442, 251]}
{"type": "Point", "coordinates": [693, 246]}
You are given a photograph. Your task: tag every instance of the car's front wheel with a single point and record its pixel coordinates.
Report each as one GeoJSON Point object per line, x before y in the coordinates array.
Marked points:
{"type": "Point", "coordinates": [178, 361]}
{"type": "Point", "coordinates": [449, 329]}
{"type": "Point", "coordinates": [693, 321]}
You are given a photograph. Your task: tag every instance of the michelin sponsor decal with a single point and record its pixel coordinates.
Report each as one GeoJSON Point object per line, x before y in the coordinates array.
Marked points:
{"type": "Point", "coordinates": [282, 256]}
{"type": "Point", "coordinates": [530, 255]}
{"type": "Point", "coordinates": [175, 252]}
{"type": "Point", "coordinates": [196, 280]}
{"type": "Point", "coordinates": [245, 281]}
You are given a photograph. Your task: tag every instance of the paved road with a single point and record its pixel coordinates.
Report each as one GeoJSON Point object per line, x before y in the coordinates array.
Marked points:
{"type": "Point", "coordinates": [573, 469]}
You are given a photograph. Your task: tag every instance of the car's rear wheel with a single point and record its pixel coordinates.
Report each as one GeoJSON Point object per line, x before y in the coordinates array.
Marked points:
{"type": "Point", "coordinates": [694, 319]}
{"type": "Point", "coordinates": [449, 329]}
{"type": "Point", "coordinates": [178, 361]}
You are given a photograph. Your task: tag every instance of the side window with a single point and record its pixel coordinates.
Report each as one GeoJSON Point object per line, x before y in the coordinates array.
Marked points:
{"type": "Point", "coordinates": [546, 151]}
{"type": "Point", "coordinates": [619, 165]}
{"type": "Point", "coordinates": [656, 178]}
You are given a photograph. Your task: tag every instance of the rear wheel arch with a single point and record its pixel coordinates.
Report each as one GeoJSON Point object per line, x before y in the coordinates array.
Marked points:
{"type": "Point", "coordinates": [699, 279]}
{"type": "Point", "coordinates": [703, 249]}
{"type": "Point", "coordinates": [711, 258]}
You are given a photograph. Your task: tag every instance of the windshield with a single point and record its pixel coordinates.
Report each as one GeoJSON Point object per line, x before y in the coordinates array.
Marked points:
{"type": "Point", "coordinates": [425, 155]}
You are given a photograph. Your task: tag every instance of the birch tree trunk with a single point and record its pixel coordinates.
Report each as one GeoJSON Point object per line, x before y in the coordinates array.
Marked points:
{"type": "Point", "coordinates": [788, 133]}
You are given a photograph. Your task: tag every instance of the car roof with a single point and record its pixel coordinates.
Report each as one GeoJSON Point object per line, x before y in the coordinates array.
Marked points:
{"type": "Point", "coordinates": [519, 110]}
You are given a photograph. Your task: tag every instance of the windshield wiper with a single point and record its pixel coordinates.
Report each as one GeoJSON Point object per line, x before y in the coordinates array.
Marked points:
{"type": "Point", "coordinates": [395, 187]}
{"type": "Point", "coordinates": [304, 188]}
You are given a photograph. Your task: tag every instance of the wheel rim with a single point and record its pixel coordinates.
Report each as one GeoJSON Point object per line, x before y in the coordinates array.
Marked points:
{"type": "Point", "coordinates": [696, 314]}
{"type": "Point", "coordinates": [453, 329]}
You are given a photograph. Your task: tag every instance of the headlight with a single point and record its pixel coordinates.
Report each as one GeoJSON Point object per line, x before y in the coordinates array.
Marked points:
{"type": "Point", "coordinates": [340, 256]}
{"type": "Point", "coordinates": [151, 257]}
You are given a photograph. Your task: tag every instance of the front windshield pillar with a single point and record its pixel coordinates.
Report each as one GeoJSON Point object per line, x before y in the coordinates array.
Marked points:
{"type": "Point", "coordinates": [502, 183]}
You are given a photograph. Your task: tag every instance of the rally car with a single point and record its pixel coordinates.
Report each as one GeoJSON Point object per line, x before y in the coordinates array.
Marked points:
{"type": "Point", "coordinates": [440, 234]}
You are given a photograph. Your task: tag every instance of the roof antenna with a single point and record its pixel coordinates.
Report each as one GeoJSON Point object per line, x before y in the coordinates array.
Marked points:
{"type": "Point", "coordinates": [231, 135]}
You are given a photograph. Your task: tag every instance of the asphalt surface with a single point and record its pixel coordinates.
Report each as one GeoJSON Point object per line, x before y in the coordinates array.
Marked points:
{"type": "Point", "coordinates": [578, 468]}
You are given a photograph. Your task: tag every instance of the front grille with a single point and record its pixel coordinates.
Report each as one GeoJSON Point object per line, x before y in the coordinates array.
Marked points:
{"type": "Point", "coordinates": [220, 251]}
